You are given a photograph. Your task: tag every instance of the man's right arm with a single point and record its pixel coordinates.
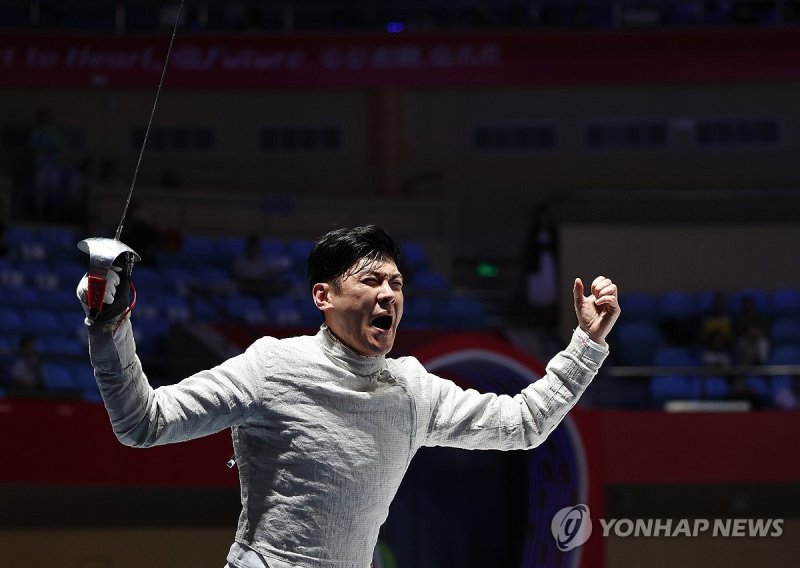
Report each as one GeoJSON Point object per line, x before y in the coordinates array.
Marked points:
{"type": "Point", "coordinates": [205, 403]}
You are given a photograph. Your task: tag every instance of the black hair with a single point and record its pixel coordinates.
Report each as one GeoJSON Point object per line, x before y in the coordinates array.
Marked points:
{"type": "Point", "coordinates": [335, 252]}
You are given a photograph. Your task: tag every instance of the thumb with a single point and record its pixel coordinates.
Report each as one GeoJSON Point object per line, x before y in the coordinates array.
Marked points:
{"type": "Point", "coordinates": [577, 292]}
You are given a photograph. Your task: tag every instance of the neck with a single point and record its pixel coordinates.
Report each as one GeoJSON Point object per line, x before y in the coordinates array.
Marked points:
{"type": "Point", "coordinates": [346, 357]}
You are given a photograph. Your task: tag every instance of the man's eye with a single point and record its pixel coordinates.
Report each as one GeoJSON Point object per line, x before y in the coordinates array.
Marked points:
{"type": "Point", "coordinates": [397, 285]}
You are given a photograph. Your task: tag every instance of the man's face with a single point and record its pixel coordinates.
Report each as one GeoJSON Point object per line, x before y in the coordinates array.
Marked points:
{"type": "Point", "coordinates": [364, 310]}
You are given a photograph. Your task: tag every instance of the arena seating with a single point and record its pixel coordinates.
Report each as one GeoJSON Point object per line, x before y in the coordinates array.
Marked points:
{"type": "Point", "coordinates": [37, 297]}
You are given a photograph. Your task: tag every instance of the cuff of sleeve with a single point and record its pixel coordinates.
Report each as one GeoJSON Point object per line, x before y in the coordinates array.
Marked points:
{"type": "Point", "coordinates": [585, 348]}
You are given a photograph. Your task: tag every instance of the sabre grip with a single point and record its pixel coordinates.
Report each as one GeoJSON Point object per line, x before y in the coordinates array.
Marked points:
{"type": "Point", "coordinates": [104, 313]}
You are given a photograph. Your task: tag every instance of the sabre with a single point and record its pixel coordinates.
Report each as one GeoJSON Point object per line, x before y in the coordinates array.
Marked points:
{"type": "Point", "coordinates": [104, 252]}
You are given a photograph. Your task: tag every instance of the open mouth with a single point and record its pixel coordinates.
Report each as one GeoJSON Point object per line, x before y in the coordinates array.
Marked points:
{"type": "Point", "coordinates": [382, 322]}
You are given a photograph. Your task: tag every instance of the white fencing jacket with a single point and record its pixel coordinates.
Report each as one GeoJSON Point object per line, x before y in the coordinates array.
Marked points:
{"type": "Point", "coordinates": [322, 435]}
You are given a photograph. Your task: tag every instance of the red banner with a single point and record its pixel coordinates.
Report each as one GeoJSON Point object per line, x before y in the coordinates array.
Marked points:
{"type": "Point", "coordinates": [405, 60]}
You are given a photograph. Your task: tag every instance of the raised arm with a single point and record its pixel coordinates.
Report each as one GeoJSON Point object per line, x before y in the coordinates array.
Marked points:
{"type": "Point", "coordinates": [467, 419]}
{"type": "Point", "coordinates": [141, 416]}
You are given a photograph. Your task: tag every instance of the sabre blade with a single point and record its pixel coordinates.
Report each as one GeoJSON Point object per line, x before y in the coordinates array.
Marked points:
{"type": "Point", "coordinates": [149, 123]}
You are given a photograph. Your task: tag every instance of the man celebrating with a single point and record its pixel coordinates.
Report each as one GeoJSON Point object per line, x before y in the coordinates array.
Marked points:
{"type": "Point", "coordinates": [324, 426]}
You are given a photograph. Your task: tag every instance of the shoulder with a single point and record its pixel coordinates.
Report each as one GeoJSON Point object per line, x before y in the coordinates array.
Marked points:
{"type": "Point", "coordinates": [297, 343]}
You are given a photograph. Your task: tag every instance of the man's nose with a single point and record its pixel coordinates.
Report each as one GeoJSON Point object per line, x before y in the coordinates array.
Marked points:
{"type": "Point", "coordinates": [387, 294]}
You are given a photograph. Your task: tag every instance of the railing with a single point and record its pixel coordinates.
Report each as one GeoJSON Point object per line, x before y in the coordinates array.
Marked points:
{"type": "Point", "coordinates": [396, 16]}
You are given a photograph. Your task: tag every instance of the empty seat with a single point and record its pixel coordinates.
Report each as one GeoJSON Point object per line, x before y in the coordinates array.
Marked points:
{"type": "Point", "coordinates": [674, 356]}
{"type": "Point", "coordinates": [198, 247]}
{"type": "Point", "coordinates": [677, 305]}
{"type": "Point", "coordinates": [62, 345]}
{"type": "Point", "coordinates": [635, 343]}
{"type": "Point", "coordinates": [299, 250]}
{"type": "Point", "coordinates": [785, 331]}
{"type": "Point", "coordinates": [413, 255]}
{"type": "Point", "coordinates": [57, 377]}
{"type": "Point", "coordinates": [673, 387]}
{"type": "Point", "coordinates": [639, 306]}
{"type": "Point", "coordinates": [58, 299]}
{"type": "Point", "coordinates": [462, 312]}
{"type": "Point", "coordinates": [40, 321]}
{"type": "Point", "coordinates": [56, 239]}
{"type": "Point", "coordinates": [784, 303]}
{"type": "Point", "coordinates": [228, 248]}
{"type": "Point", "coordinates": [429, 282]}
{"type": "Point", "coordinates": [10, 320]}
{"type": "Point", "coordinates": [247, 308]}
{"type": "Point", "coordinates": [23, 297]}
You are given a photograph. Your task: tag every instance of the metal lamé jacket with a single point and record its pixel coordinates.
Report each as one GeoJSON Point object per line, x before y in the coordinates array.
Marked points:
{"type": "Point", "coordinates": [322, 435]}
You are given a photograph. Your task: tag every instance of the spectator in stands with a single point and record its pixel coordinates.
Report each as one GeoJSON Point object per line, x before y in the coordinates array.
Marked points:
{"type": "Point", "coordinates": [742, 391]}
{"type": "Point", "coordinates": [47, 145]}
{"type": "Point", "coordinates": [5, 250]}
{"type": "Point", "coordinates": [26, 371]}
{"type": "Point", "coordinates": [716, 332]}
{"type": "Point", "coordinates": [75, 208]}
{"type": "Point", "coordinates": [786, 397]}
{"type": "Point", "coordinates": [325, 426]}
{"type": "Point", "coordinates": [255, 274]}
{"type": "Point", "coordinates": [142, 235]}
{"type": "Point", "coordinates": [752, 345]}
{"type": "Point", "coordinates": [749, 317]}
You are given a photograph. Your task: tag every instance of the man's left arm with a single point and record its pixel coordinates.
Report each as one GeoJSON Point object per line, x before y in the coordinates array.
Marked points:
{"type": "Point", "coordinates": [468, 419]}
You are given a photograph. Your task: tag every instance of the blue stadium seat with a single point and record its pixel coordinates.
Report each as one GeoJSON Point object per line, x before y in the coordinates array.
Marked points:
{"type": "Point", "coordinates": [664, 388]}
{"type": "Point", "coordinates": [247, 308]}
{"type": "Point", "coordinates": [429, 282]}
{"type": "Point", "coordinates": [62, 345]}
{"type": "Point", "coordinates": [176, 279]}
{"type": "Point", "coordinates": [785, 331]}
{"type": "Point", "coordinates": [273, 248]}
{"type": "Point", "coordinates": [57, 377]}
{"type": "Point", "coordinates": [17, 236]}
{"type": "Point", "coordinates": [171, 307]}
{"type": "Point", "coordinates": [11, 277]}
{"type": "Point", "coordinates": [199, 246]}
{"type": "Point", "coordinates": [667, 387]}
{"type": "Point", "coordinates": [785, 355]}
{"type": "Point", "coordinates": [59, 299]}
{"type": "Point", "coordinates": [635, 343]}
{"type": "Point", "coordinates": [413, 255]}
{"type": "Point", "coordinates": [759, 385]}
{"type": "Point", "coordinates": [677, 304]}
{"type": "Point", "coordinates": [228, 248]}
{"type": "Point", "coordinates": [714, 387]}
{"type": "Point", "coordinates": [57, 240]}
{"type": "Point", "coordinates": [298, 250]}
{"type": "Point", "coordinates": [40, 321]}
{"type": "Point", "coordinates": [285, 310]}
{"type": "Point", "coordinates": [209, 276]}
{"type": "Point", "coordinates": [464, 312]}
{"type": "Point", "coordinates": [69, 273]}
{"type": "Point", "coordinates": [674, 356]}
{"type": "Point", "coordinates": [22, 297]}
{"type": "Point", "coordinates": [10, 320]}
{"type": "Point", "coordinates": [639, 306]}
{"type": "Point", "coordinates": [419, 310]}
{"type": "Point", "coordinates": [760, 299]}
{"type": "Point", "coordinates": [202, 310]}
{"type": "Point", "coordinates": [83, 376]}
{"type": "Point", "coordinates": [784, 303]}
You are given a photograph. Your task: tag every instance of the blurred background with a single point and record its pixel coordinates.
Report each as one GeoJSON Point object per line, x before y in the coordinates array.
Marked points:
{"type": "Point", "coordinates": [509, 146]}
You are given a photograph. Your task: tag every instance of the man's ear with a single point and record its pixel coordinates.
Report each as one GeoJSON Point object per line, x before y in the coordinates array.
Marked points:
{"type": "Point", "coordinates": [321, 294]}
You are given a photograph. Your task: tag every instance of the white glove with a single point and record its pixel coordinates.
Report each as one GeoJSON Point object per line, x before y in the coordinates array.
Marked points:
{"type": "Point", "coordinates": [112, 279]}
